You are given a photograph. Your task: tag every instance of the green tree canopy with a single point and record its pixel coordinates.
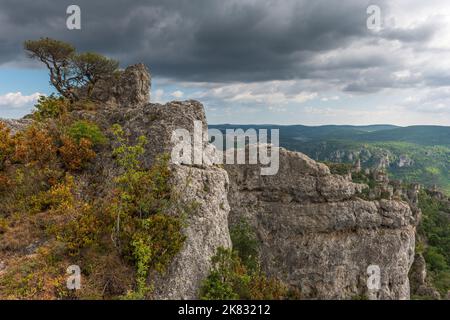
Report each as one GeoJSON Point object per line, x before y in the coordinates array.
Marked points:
{"type": "Point", "coordinates": [69, 70]}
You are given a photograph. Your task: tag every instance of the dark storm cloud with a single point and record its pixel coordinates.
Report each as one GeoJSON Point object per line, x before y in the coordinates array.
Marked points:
{"type": "Point", "coordinates": [208, 40]}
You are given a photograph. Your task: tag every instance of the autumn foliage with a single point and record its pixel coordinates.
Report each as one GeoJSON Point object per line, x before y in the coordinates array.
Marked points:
{"type": "Point", "coordinates": [76, 155]}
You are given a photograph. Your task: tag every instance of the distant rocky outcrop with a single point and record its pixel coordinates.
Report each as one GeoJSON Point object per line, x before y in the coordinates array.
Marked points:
{"type": "Point", "coordinates": [405, 161]}
{"type": "Point", "coordinates": [420, 285]}
{"type": "Point", "coordinates": [16, 125]}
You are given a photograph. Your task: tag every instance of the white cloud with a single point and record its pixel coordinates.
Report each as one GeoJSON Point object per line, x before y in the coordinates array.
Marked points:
{"type": "Point", "coordinates": [158, 96]}
{"type": "Point", "coordinates": [302, 97]}
{"type": "Point", "coordinates": [269, 93]}
{"type": "Point", "coordinates": [177, 94]}
{"type": "Point", "coordinates": [430, 101]}
{"type": "Point", "coordinates": [332, 98]}
{"type": "Point", "coordinates": [18, 100]}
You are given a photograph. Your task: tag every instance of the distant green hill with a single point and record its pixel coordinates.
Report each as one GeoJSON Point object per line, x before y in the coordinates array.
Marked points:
{"type": "Point", "coordinates": [306, 133]}
{"type": "Point", "coordinates": [413, 154]}
{"type": "Point", "coordinates": [423, 135]}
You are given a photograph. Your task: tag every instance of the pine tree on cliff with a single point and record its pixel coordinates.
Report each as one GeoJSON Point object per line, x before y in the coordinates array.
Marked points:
{"type": "Point", "coordinates": [69, 70]}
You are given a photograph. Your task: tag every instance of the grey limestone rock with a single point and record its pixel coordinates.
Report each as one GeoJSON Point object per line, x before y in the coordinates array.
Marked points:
{"type": "Point", "coordinates": [316, 234]}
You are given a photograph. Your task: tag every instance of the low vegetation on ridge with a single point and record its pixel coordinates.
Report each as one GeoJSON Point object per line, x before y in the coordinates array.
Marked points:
{"type": "Point", "coordinates": [119, 239]}
{"type": "Point", "coordinates": [51, 217]}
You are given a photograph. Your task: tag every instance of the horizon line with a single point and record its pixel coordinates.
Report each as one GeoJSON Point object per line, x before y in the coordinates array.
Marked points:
{"type": "Point", "coordinates": [328, 125]}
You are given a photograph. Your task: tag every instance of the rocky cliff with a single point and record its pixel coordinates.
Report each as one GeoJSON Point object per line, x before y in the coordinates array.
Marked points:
{"type": "Point", "coordinates": [318, 235]}
{"type": "Point", "coordinates": [314, 230]}
{"type": "Point", "coordinates": [126, 102]}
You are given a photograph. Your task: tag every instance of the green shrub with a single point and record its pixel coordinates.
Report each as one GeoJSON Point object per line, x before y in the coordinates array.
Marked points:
{"type": "Point", "coordinates": [435, 260]}
{"type": "Point", "coordinates": [50, 107]}
{"type": "Point", "coordinates": [245, 243]}
{"type": "Point", "coordinates": [86, 130]}
{"type": "Point", "coordinates": [59, 198]}
{"type": "Point", "coordinates": [360, 177]}
{"type": "Point", "coordinates": [339, 168]}
{"type": "Point", "coordinates": [82, 231]}
{"type": "Point", "coordinates": [128, 156]}
{"type": "Point", "coordinates": [153, 246]}
{"type": "Point", "coordinates": [147, 230]}
{"type": "Point", "coordinates": [229, 279]}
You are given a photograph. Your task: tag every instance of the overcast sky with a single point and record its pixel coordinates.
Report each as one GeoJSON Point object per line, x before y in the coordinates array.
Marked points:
{"type": "Point", "coordinates": [253, 61]}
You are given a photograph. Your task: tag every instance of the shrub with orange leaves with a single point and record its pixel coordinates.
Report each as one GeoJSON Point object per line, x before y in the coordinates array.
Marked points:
{"type": "Point", "coordinates": [76, 155]}
{"type": "Point", "coordinates": [35, 146]}
{"type": "Point", "coordinates": [6, 144]}
{"type": "Point", "coordinates": [6, 150]}
{"type": "Point", "coordinates": [5, 182]}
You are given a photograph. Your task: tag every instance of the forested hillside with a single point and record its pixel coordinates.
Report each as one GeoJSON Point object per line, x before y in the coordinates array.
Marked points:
{"type": "Point", "coordinates": [412, 154]}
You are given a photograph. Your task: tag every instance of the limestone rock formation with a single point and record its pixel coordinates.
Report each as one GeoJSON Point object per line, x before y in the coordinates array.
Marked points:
{"type": "Point", "coordinates": [206, 186]}
{"type": "Point", "coordinates": [317, 235]}
{"type": "Point", "coordinates": [207, 229]}
{"type": "Point", "coordinates": [405, 161]}
{"type": "Point", "coordinates": [418, 277]}
{"type": "Point", "coordinates": [128, 87]}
